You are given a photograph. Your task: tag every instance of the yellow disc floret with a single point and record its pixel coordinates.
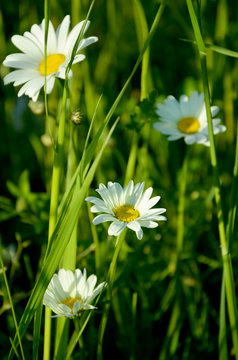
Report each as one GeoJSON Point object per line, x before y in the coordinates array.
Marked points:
{"type": "Point", "coordinates": [70, 302]}
{"type": "Point", "coordinates": [188, 125]}
{"type": "Point", "coordinates": [126, 213]}
{"type": "Point", "coordinates": [53, 63]}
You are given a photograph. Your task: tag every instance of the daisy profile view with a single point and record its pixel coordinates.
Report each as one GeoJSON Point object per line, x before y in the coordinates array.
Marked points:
{"type": "Point", "coordinates": [187, 119]}
{"type": "Point", "coordinates": [30, 63]}
{"type": "Point", "coordinates": [126, 207]}
{"type": "Point", "coordinates": [70, 293]}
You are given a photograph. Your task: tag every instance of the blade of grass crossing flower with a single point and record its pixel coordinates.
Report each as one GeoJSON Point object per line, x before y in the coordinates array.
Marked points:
{"type": "Point", "coordinates": [226, 256]}
{"type": "Point", "coordinates": [60, 238]}
{"type": "Point", "coordinates": [38, 315]}
{"type": "Point", "coordinates": [10, 301]}
{"type": "Point", "coordinates": [79, 39]}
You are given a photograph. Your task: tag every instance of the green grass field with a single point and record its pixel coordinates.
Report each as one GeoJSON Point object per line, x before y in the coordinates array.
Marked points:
{"type": "Point", "coordinates": [172, 294]}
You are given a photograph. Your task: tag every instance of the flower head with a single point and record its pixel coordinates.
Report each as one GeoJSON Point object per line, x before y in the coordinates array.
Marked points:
{"type": "Point", "coordinates": [187, 118]}
{"type": "Point", "coordinates": [128, 207]}
{"type": "Point", "coordinates": [69, 294]}
{"type": "Point", "coordinates": [30, 64]}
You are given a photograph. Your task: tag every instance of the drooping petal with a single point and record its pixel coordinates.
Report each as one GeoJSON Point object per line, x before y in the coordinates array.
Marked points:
{"type": "Point", "coordinates": [116, 228]}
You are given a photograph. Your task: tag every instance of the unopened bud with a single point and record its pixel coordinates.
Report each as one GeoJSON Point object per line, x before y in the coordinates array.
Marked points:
{"type": "Point", "coordinates": [37, 107]}
{"type": "Point", "coordinates": [76, 117]}
{"type": "Point", "coordinates": [46, 140]}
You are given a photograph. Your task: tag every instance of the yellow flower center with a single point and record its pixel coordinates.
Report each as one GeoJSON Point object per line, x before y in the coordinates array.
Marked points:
{"type": "Point", "coordinates": [188, 125]}
{"type": "Point", "coordinates": [53, 63]}
{"type": "Point", "coordinates": [126, 213]}
{"type": "Point", "coordinates": [70, 302]}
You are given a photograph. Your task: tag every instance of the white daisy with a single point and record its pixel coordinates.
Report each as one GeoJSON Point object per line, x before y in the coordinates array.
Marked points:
{"type": "Point", "coordinates": [69, 294]}
{"type": "Point", "coordinates": [187, 118]}
{"type": "Point", "coordinates": [128, 207]}
{"type": "Point", "coordinates": [31, 64]}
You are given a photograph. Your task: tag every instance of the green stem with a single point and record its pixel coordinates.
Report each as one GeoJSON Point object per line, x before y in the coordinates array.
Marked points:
{"type": "Point", "coordinates": [11, 302]}
{"type": "Point", "coordinates": [181, 204]}
{"type": "Point", "coordinates": [54, 199]}
{"type": "Point", "coordinates": [226, 256]}
{"type": "Point", "coordinates": [111, 278]}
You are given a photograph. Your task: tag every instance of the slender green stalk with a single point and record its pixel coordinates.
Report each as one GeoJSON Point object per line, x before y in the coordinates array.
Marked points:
{"type": "Point", "coordinates": [54, 198]}
{"type": "Point", "coordinates": [134, 312]}
{"type": "Point", "coordinates": [234, 197]}
{"type": "Point", "coordinates": [110, 278]}
{"type": "Point", "coordinates": [181, 203]}
{"type": "Point", "coordinates": [69, 259]}
{"type": "Point", "coordinates": [38, 315]}
{"type": "Point", "coordinates": [95, 238]}
{"type": "Point", "coordinates": [130, 169]}
{"type": "Point", "coordinates": [36, 332]}
{"type": "Point", "coordinates": [226, 256]}
{"type": "Point", "coordinates": [11, 302]}
{"type": "Point", "coordinates": [222, 340]}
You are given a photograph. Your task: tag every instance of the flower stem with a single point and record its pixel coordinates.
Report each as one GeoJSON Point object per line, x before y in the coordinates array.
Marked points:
{"type": "Point", "coordinates": [181, 203]}
{"type": "Point", "coordinates": [226, 256]}
{"type": "Point", "coordinates": [55, 188]}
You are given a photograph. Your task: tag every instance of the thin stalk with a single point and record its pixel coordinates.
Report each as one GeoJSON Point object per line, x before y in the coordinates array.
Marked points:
{"type": "Point", "coordinates": [181, 204]}
{"type": "Point", "coordinates": [234, 197]}
{"type": "Point", "coordinates": [222, 339]}
{"type": "Point", "coordinates": [69, 258]}
{"type": "Point", "coordinates": [111, 278]}
{"type": "Point", "coordinates": [54, 199]}
{"type": "Point", "coordinates": [11, 302]}
{"type": "Point", "coordinates": [226, 256]}
{"type": "Point", "coordinates": [95, 238]}
{"type": "Point", "coordinates": [38, 314]}
{"type": "Point", "coordinates": [134, 312]}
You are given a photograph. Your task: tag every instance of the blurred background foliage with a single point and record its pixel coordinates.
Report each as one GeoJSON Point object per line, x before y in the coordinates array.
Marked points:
{"type": "Point", "coordinates": [160, 309]}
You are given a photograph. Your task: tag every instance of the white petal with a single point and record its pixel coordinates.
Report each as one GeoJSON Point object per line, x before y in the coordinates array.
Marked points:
{"type": "Point", "coordinates": [27, 46]}
{"type": "Point", "coordinates": [73, 36]}
{"type": "Point", "coordinates": [62, 33]}
{"type": "Point", "coordinates": [19, 76]}
{"type": "Point", "coordinates": [51, 41]}
{"type": "Point", "coordinates": [148, 223]}
{"type": "Point", "coordinates": [78, 58]}
{"type": "Point", "coordinates": [50, 84]}
{"type": "Point", "coordinates": [134, 225]}
{"type": "Point", "coordinates": [116, 228]}
{"type": "Point", "coordinates": [103, 218]}
{"type": "Point", "coordinates": [86, 42]}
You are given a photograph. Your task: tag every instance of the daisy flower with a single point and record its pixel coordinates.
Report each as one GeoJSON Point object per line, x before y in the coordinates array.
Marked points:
{"type": "Point", "coordinates": [128, 207]}
{"type": "Point", "coordinates": [30, 64]}
{"type": "Point", "coordinates": [69, 294]}
{"type": "Point", "coordinates": [187, 118]}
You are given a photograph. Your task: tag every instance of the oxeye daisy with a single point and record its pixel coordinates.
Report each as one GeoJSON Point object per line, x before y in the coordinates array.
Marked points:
{"type": "Point", "coordinates": [187, 118]}
{"type": "Point", "coordinates": [30, 64]}
{"type": "Point", "coordinates": [126, 207]}
{"type": "Point", "coordinates": [70, 293]}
